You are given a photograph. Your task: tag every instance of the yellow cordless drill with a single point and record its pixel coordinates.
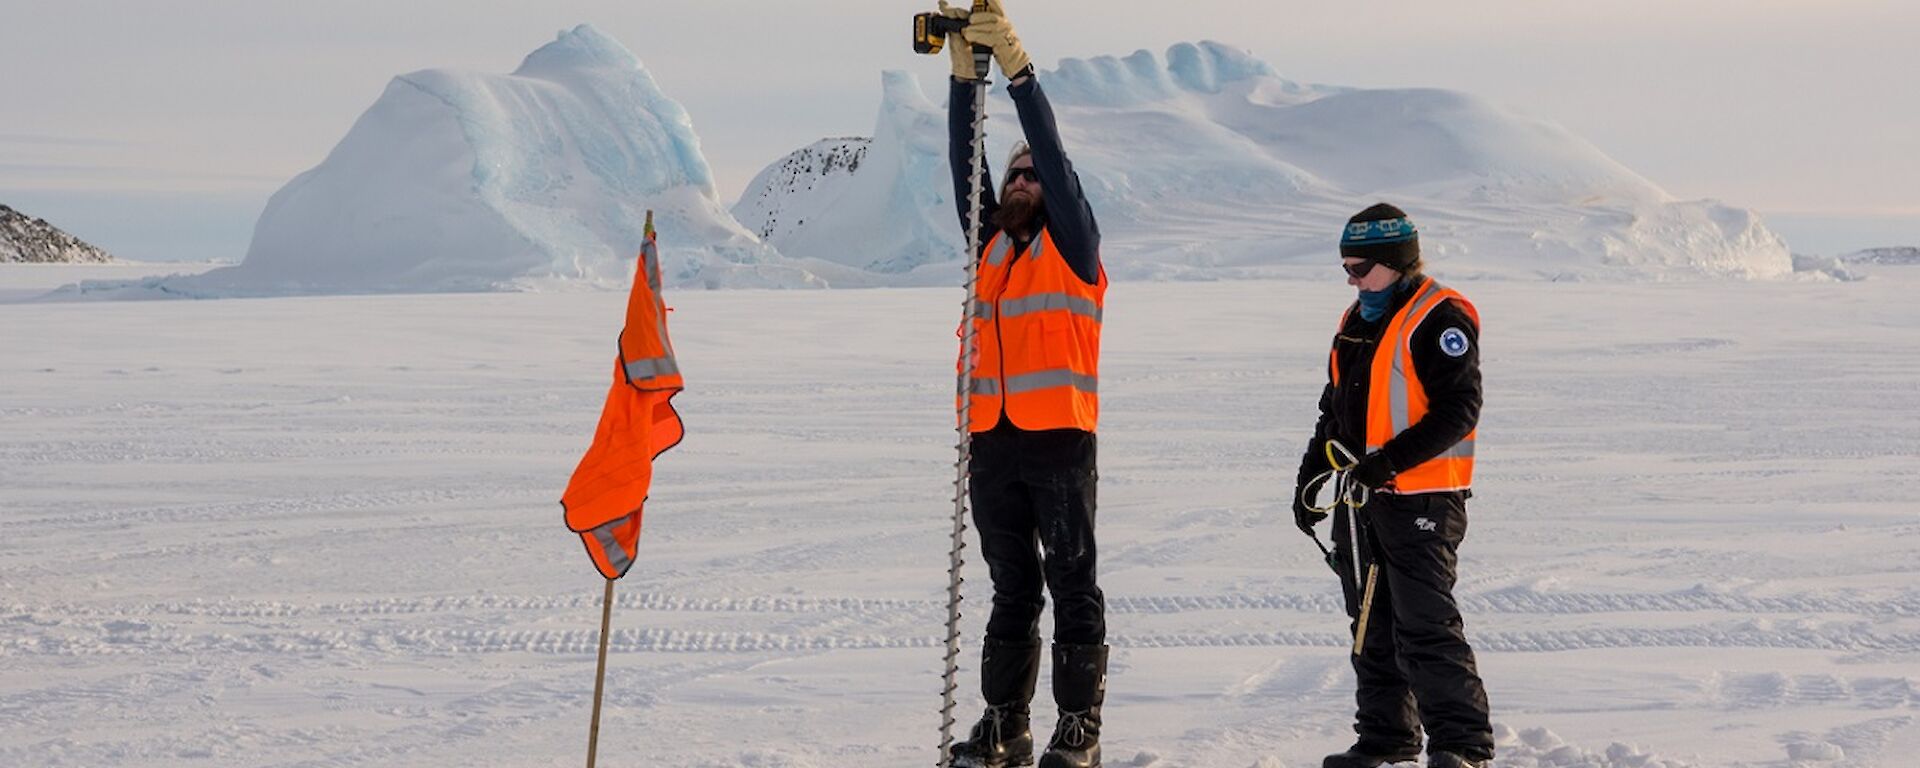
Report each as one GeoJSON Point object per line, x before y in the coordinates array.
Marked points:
{"type": "Point", "coordinates": [930, 32]}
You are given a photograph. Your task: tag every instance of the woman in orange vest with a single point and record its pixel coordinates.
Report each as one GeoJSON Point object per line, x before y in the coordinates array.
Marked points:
{"type": "Point", "coordinates": [1033, 407]}
{"type": "Point", "coordinates": [1403, 394]}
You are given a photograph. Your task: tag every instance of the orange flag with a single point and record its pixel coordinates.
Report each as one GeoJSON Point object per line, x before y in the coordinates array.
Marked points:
{"type": "Point", "coordinates": [604, 499]}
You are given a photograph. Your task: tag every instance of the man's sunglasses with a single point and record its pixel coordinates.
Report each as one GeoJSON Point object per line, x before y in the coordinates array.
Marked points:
{"type": "Point", "coordinates": [1359, 270]}
{"type": "Point", "coordinates": [1026, 172]}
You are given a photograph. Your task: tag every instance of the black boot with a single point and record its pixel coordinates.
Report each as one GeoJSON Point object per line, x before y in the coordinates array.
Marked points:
{"type": "Point", "coordinates": [1445, 759]}
{"type": "Point", "coordinates": [1360, 757]}
{"type": "Point", "coordinates": [1003, 738]}
{"type": "Point", "coordinates": [1079, 688]}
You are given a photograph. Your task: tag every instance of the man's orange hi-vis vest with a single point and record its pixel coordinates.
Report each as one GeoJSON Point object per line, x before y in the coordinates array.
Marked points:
{"type": "Point", "coordinates": [1037, 331]}
{"type": "Point", "coordinates": [1396, 400]}
{"type": "Point", "coordinates": [604, 498]}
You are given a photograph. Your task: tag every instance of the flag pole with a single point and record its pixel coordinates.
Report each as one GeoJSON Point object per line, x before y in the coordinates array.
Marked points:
{"type": "Point", "coordinates": [600, 673]}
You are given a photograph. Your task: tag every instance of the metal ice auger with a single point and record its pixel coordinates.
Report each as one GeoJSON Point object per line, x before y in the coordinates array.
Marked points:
{"type": "Point", "coordinates": [929, 32]}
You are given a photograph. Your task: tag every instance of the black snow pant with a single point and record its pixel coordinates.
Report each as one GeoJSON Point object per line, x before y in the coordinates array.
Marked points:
{"type": "Point", "coordinates": [1033, 503]}
{"type": "Point", "coordinates": [1416, 668]}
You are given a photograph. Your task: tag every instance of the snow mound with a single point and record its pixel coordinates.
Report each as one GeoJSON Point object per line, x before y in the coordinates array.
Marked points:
{"type": "Point", "coordinates": [1815, 752]}
{"type": "Point", "coordinates": [458, 181]}
{"type": "Point", "coordinates": [1206, 164]}
{"type": "Point", "coordinates": [1542, 747]}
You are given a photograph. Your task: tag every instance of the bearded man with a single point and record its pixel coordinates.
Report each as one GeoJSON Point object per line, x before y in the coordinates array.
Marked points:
{"type": "Point", "coordinates": [1034, 404]}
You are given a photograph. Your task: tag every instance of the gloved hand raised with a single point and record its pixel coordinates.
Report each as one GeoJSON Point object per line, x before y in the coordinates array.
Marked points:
{"type": "Point", "coordinates": [958, 50]}
{"type": "Point", "coordinates": [991, 28]}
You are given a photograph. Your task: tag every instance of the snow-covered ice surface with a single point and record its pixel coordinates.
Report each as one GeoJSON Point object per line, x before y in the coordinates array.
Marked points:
{"type": "Point", "coordinates": [323, 532]}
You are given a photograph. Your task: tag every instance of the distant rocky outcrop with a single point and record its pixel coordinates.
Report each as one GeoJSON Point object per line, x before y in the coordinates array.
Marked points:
{"type": "Point", "coordinates": [807, 171]}
{"type": "Point", "coordinates": [881, 206]}
{"type": "Point", "coordinates": [25, 239]}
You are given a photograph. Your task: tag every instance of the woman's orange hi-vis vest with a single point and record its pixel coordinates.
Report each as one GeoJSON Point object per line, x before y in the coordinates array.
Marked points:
{"type": "Point", "coordinates": [1037, 332]}
{"type": "Point", "coordinates": [608, 490]}
{"type": "Point", "coordinates": [1396, 399]}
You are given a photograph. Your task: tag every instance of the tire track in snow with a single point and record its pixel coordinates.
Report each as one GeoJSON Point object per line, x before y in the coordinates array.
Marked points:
{"type": "Point", "coordinates": [584, 642]}
{"type": "Point", "coordinates": [1773, 689]}
{"type": "Point", "coordinates": [1502, 602]}
{"type": "Point", "coordinates": [259, 510]}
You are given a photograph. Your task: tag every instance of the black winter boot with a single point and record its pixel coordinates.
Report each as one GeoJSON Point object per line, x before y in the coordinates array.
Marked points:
{"type": "Point", "coordinates": [1003, 738]}
{"type": "Point", "coordinates": [1445, 759]}
{"type": "Point", "coordinates": [1358, 757]}
{"type": "Point", "coordinates": [1079, 689]}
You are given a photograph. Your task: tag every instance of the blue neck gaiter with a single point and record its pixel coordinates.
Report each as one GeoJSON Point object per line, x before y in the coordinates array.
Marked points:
{"type": "Point", "coordinates": [1373, 304]}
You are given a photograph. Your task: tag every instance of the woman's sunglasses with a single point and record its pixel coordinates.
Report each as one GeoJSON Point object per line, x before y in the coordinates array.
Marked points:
{"type": "Point", "coordinates": [1359, 270]}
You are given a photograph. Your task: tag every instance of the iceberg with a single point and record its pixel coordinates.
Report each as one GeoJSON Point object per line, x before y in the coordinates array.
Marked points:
{"type": "Point", "coordinates": [1206, 164]}
{"type": "Point", "coordinates": [456, 181]}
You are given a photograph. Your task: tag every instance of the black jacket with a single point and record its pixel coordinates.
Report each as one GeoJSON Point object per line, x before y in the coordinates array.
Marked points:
{"type": "Point", "coordinates": [1067, 214]}
{"type": "Point", "coordinates": [1452, 384]}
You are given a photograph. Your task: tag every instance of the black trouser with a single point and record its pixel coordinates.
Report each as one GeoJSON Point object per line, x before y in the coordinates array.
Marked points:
{"type": "Point", "coordinates": [1416, 667]}
{"type": "Point", "coordinates": [1033, 502]}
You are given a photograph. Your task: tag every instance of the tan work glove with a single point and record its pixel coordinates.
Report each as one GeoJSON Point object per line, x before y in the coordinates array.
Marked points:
{"type": "Point", "coordinates": [957, 48]}
{"type": "Point", "coordinates": [991, 28]}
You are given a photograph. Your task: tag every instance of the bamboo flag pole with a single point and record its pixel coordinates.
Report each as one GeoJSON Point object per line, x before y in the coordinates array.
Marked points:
{"type": "Point", "coordinates": [600, 673]}
{"type": "Point", "coordinates": [608, 489]}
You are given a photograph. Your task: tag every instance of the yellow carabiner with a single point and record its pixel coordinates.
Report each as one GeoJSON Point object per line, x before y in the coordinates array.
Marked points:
{"type": "Point", "coordinates": [1334, 461]}
{"type": "Point", "coordinates": [1312, 489]}
{"type": "Point", "coordinates": [1344, 492]}
{"type": "Point", "coordinates": [1352, 494]}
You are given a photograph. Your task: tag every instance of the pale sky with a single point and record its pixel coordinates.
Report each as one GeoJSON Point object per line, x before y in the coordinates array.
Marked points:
{"type": "Point", "coordinates": [159, 129]}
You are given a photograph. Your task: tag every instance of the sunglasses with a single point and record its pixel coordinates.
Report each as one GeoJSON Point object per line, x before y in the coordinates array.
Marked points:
{"type": "Point", "coordinates": [1359, 270]}
{"type": "Point", "coordinates": [1016, 174]}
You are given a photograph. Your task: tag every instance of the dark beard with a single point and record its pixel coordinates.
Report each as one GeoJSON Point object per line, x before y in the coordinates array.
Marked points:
{"type": "Point", "coordinates": [1018, 214]}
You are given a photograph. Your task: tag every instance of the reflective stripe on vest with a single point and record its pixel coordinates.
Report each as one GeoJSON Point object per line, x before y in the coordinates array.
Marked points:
{"type": "Point", "coordinates": [1037, 340]}
{"type": "Point", "coordinates": [646, 356]}
{"type": "Point", "coordinates": [997, 250]}
{"type": "Point", "coordinates": [651, 367]}
{"type": "Point", "coordinates": [986, 387]}
{"type": "Point", "coordinates": [650, 261]}
{"type": "Point", "coordinates": [1425, 299]}
{"type": "Point", "coordinates": [1041, 302]}
{"type": "Point", "coordinates": [1396, 400]}
{"type": "Point", "coordinates": [1058, 377]}
{"type": "Point", "coordinates": [610, 547]}
{"type": "Point", "coordinates": [1038, 302]}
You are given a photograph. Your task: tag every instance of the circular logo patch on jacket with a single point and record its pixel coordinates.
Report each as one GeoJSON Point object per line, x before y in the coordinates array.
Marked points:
{"type": "Point", "coordinates": [1453, 341]}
